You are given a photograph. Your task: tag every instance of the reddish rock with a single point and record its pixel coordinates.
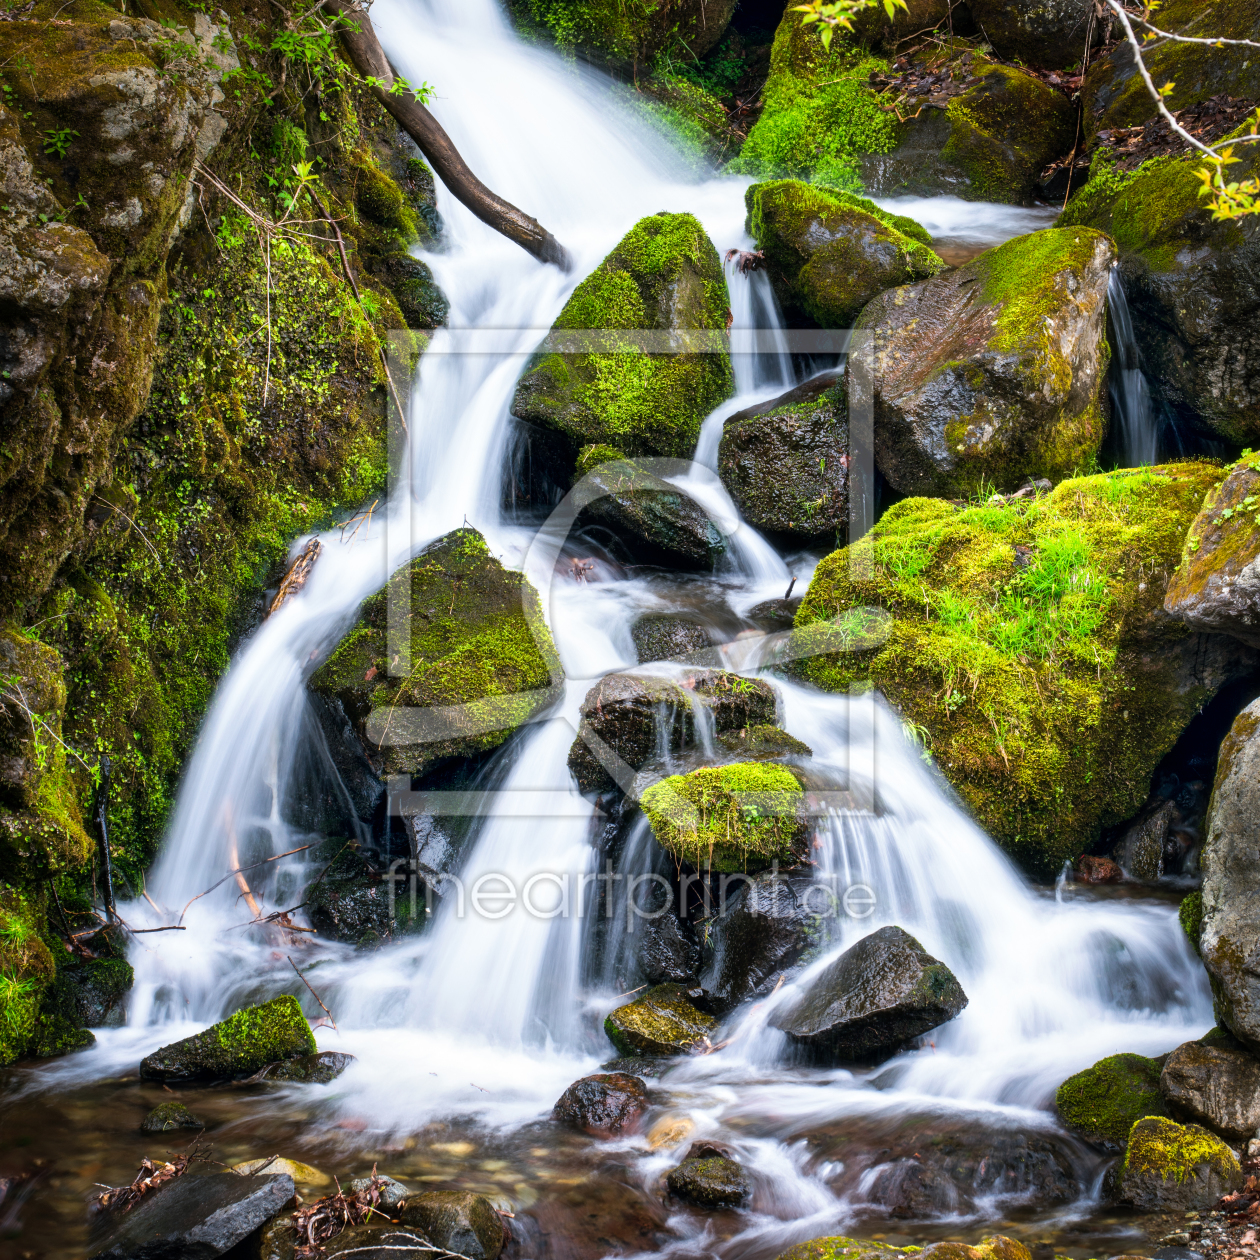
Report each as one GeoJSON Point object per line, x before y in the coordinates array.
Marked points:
{"type": "Point", "coordinates": [603, 1105]}
{"type": "Point", "coordinates": [1098, 870]}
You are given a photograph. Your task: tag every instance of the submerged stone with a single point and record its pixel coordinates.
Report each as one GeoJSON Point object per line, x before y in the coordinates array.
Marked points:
{"type": "Point", "coordinates": [604, 1104]}
{"type": "Point", "coordinates": [310, 1069]}
{"type": "Point", "coordinates": [1170, 1167]}
{"type": "Point", "coordinates": [239, 1046]}
{"type": "Point", "coordinates": [662, 1022]}
{"type": "Point", "coordinates": [457, 1221]}
{"type": "Point", "coordinates": [171, 1115]}
{"type": "Point", "coordinates": [1104, 1102]}
{"type": "Point", "coordinates": [879, 994]}
{"type": "Point", "coordinates": [302, 1174]}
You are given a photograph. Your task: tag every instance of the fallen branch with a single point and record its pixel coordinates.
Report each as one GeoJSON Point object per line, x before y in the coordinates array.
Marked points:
{"type": "Point", "coordinates": [232, 873]}
{"type": "Point", "coordinates": [368, 57]}
{"type": "Point", "coordinates": [315, 995]}
{"type": "Point", "coordinates": [172, 928]}
{"type": "Point", "coordinates": [300, 569]}
{"type": "Point", "coordinates": [235, 858]}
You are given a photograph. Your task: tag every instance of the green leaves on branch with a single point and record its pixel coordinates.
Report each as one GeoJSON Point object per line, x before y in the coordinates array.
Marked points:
{"type": "Point", "coordinates": [839, 14]}
{"type": "Point", "coordinates": [422, 95]}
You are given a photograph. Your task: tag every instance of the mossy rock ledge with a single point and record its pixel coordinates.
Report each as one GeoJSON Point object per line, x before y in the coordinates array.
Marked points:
{"type": "Point", "coordinates": [998, 1247]}
{"type": "Point", "coordinates": [482, 661]}
{"type": "Point", "coordinates": [664, 279]}
{"type": "Point", "coordinates": [994, 372]}
{"type": "Point", "coordinates": [662, 1022]}
{"type": "Point", "coordinates": [829, 253]}
{"type": "Point", "coordinates": [1029, 643]}
{"type": "Point", "coordinates": [1104, 1102]}
{"type": "Point", "coordinates": [238, 1046]}
{"type": "Point", "coordinates": [1170, 1167]}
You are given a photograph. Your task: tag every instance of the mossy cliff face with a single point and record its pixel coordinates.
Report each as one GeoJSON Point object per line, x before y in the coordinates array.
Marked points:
{"type": "Point", "coordinates": [1115, 96]}
{"type": "Point", "coordinates": [1029, 642]}
{"type": "Point", "coordinates": [740, 817]}
{"type": "Point", "coordinates": [820, 115]}
{"type": "Point", "coordinates": [172, 420]}
{"type": "Point", "coordinates": [1230, 925]}
{"type": "Point", "coordinates": [1190, 286]}
{"type": "Point", "coordinates": [626, 35]}
{"type": "Point", "coordinates": [481, 659]}
{"type": "Point", "coordinates": [1169, 1166]}
{"type": "Point", "coordinates": [994, 372]}
{"type": "Point", "coordinates": [1105, 1101]}
{"type": "Point", "coordinates": [991, 142]}
{"type": "Point", "coordinates": [828, 254]}
{"type": "Point", "coordinates": [664, 276]}
{"type": "Point", "coordinates": [1217, 585]}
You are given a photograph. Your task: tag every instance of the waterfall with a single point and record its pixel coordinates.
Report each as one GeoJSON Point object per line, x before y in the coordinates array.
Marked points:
{"type": "Point", "coordinates": [486, 1017]}
{"type": "Point", "coordinates": [1138, 433]}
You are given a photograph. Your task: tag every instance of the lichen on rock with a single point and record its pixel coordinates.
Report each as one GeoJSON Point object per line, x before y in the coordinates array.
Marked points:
{"type": "Point", "coordinates": [661, 1022]}
{"type": "Point", "coordinates": [1104, 1102]}
{"type": "Point", "coordinates": [1169, 1167]}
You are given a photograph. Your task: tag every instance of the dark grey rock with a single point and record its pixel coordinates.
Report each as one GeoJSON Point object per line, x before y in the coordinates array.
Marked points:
{"type": "Point", "coordinates": [392, 1192]}
{"type": "Point", "coordinates": [350, 900]}
{"type": "Point", "coordinates": [167, 1116]}
{"type": "Point", "coordinates": [775, 614]}
{"type": "Point", "coordinates": [879, 994]}
{"type": "Point", "coordinates": [379, 1242]}
{"type": "Point", "coordinates": [669, 951]}
{"type": "Point", "coordinates": [195, 1218]}
{"type": "Point", "coordinates": [310, 1069]}
{"type": "Point", "coordinates": [668, 637]}
{"type": "Point", "coordinates": [711, 1180]}
{"type": "Point", "coordinates": [771, 923]}
{"type": "Point", "coordinates": [1048, 34]}
{"type": "Point", "coordinates": [457, 1221]}
{"type": "Point", "coordinates": [93, 994]}
{"type": "Point", "coordinates": [1140, 851]}
{"type": "Point", "coordinates": [604, 1104]}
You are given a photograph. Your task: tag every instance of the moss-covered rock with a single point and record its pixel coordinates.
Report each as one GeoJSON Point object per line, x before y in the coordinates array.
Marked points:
{"type": "Point", "coordinates": [712, 1181]}
{"type": "Point", "coordinates": [829, 253]}
{"type": "Point", "coordinates": [785, 463]}
{"type": "Point", "coordinates": [238, 1046]}
{"type": "Point", "coordinates": [663, 277]}
{"type": "Point", "coordinates": [481, 660]}
{"type": "Point", "coordinates": [27, 970]}
{"type": "Point", "coordinates": [626, 35]}
{"type": "Point", "coordinates": [352, 901]}
{"type": "Point", "coordinates": [1217, 585]}
{"type": "Point", "coordinates": [1172, 1167]}
{"type": "Point", "coordinates": [1190, 916]}
{"type": "Point", "coordinates": [1187, 281]}
{"type": "Point", "coordinates": [457, 1221]}
{"type": "Point", "coordinates": [92, 993]}
{"type": "Point", "coordinates": [169, 1116]}
{"type": "Point", "coordinates": [841, 1248]}
{"type": "Point", "coordinates": [739, 817]}
{"type": "Point", "coordinates": [820, 115]}
{"type": "Point", "coordinates": [995, 372]}
{"type": "Point", "coordinates": [687, 116]}
{"type": "Point", "coordinates": [1029, 642]}
{"type": "Point", "coordinates": [660, 1023]}
{"type": "Point", "coordinates": [1104, 1102]}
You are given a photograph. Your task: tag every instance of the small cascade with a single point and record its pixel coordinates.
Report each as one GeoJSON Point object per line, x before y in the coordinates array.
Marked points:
{"type": "Point", "coordinates": [1138, 432]}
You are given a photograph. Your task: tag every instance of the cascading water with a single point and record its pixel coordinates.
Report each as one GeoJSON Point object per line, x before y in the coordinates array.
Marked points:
{"type": "Point", "coordinates": [1138, 431]}
{"type": "Point", "coordinates": [483, 1019]}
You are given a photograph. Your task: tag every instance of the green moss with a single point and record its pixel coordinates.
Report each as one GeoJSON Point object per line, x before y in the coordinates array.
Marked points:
{"type": "Point", "coordinates": [685, 115]}
{"type": "Point", "coordinates": [840, 1249]}
{"type": "Point", "coordinates": [590, 457]}
{"type": "Point", "coordinates": [664, 275]}
{"type": "Point", "coordinates": [820, 114]}
{"type": "Point", "coordinates": [1103, 1102]}
{"type": "Point", "coordinates": [741, 817]}
{"type": "Point", "coordinates": [1172, 1152]}
{"type": "Point", "coordinates": [661, 1022]}
{"type": "Point", "coordinates": [1022, 644]}
{"type": "Point", "coordinates": [1223, 541]}
{"type": "Point", "coordinates": [1190, 916]}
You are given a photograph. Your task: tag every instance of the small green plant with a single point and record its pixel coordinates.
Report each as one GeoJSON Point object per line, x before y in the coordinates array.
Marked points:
{"type": "Point", "coordinates": [14, 993]}
{"type": "Point", "coordinates": [838, 15]}
{"type": "Point", "coordinates": [57, 141]}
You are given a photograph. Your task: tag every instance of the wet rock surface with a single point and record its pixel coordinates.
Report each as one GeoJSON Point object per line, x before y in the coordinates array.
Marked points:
{"type": "Point", "coordinates": [350, 899]}
{"type": "Point", "coordinates": [1049, 34]}
{"type": "Point", "coordinates": [457, 1221]}
{"type": "Point", "coordinates": [238, 1046]}
{"type": "Point", "coordinates": [603, 1105]}
{"type": "Point", "coordinates": [310, 1069]}
{"type": "Point", "coordinates": [392, 1193]}
{"type": "Point", "coordinates": [667, 637]}
{"type": "Point", "coordinates": [710, 1178]}
{"type": "Point", "coordinates": [167, 1116]}
{"type": "Point", "coordinates": [1171, 1167]}
{"type": "Point", "coordinates": [970, 386]}
{"type": "Point", "coordinates": [1214, 1086]}
{"type": "Point", "coordinates": [662, 1022]}
{"type": "Point", "coordinates": [1104, 1102]}
{"type": "Point", "coordinates": [380, 1242]}
{"type": "Point", "coordinates": [880, 993]}
{"type": "Point", "coordinates": [195, 1218]}
{"type": "Point", "coordinates": [669, 951]}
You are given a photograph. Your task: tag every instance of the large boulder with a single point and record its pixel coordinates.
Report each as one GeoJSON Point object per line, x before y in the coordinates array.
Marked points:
{"type": "Point", "coordinates": [1217, 585]}
{"type": "Point", "coordinates": [352, 900]}
{"type": "Point", "coordinates": [785, 463]}
{"type": "Point", "coordinates": [1048, 34]}
{"type": "Point", "coordinates": [1052, 611]}
{"type": "Point", "coordinates": [1216, 1086]}
{"type": "Point", "coordinates": [1105, 1101]}
{"type": "Point", "coordinates": [740, 817]}
{"type": "Point", "coordinates": [195, 1217]}
{"type": "Point", "coordinates": [994, 372]}
{"type": "Point", "coordinates": [238, 1046]}
{"type": "Point", "coordinates": [663, 278]}
{"type": "Point", "coordinates": [988, 139]}
{"type": "Point", "coordinates": [655, 521]}
{"type": "Point", "coordinates": [1229, 939]}
{"type": "Point", "coordinates": [1169, 1167]}
{"type": "Point", "coordinates": [772, 923]}
{"type": "Point", "coordinates": [457, 1221]}
{"type": "Point", "coordinates": [621, 716]}
{"type": "Point", "coordinates": [660, 1023]}
{"type": "Point", "coordinates": [603, 1105]}
{"type": "Point", "coordinates": [481, 660]}
{"type": "Point", "coordinates": [669, 952]}
{"type": "Point", "coordinates": [829, 253]}
{"type": "Point", "coordinates": [1191, 285]}
{"type": "Point", "coordinates": [879, 994]}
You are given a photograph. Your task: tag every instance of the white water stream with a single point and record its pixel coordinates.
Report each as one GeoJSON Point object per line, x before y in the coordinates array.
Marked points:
{"type": "Point", "coordinates": [484, 1017]}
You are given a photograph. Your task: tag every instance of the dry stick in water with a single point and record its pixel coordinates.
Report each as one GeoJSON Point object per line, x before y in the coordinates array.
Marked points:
{"type": "Point", "coordinates": [315, 995]}
{"type": "Point", "coordinates": [235, 859]}
{"type": "Point", "coordinates": [250, 867]}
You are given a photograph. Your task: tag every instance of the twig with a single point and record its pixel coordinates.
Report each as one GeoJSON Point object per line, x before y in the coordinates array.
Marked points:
{"type": "Point", "coordinates": [631, 993]}
{"type": "Point", "coordinates": [315, 995]}
{"type": "Point", "coordinates": [174, 927]}
{"type": "Point", "coordinates": [233, 855]}
{"type": "Point", "coordinates": [252, 865]}
{"type": "Point", "coordinates": [114, 507]}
